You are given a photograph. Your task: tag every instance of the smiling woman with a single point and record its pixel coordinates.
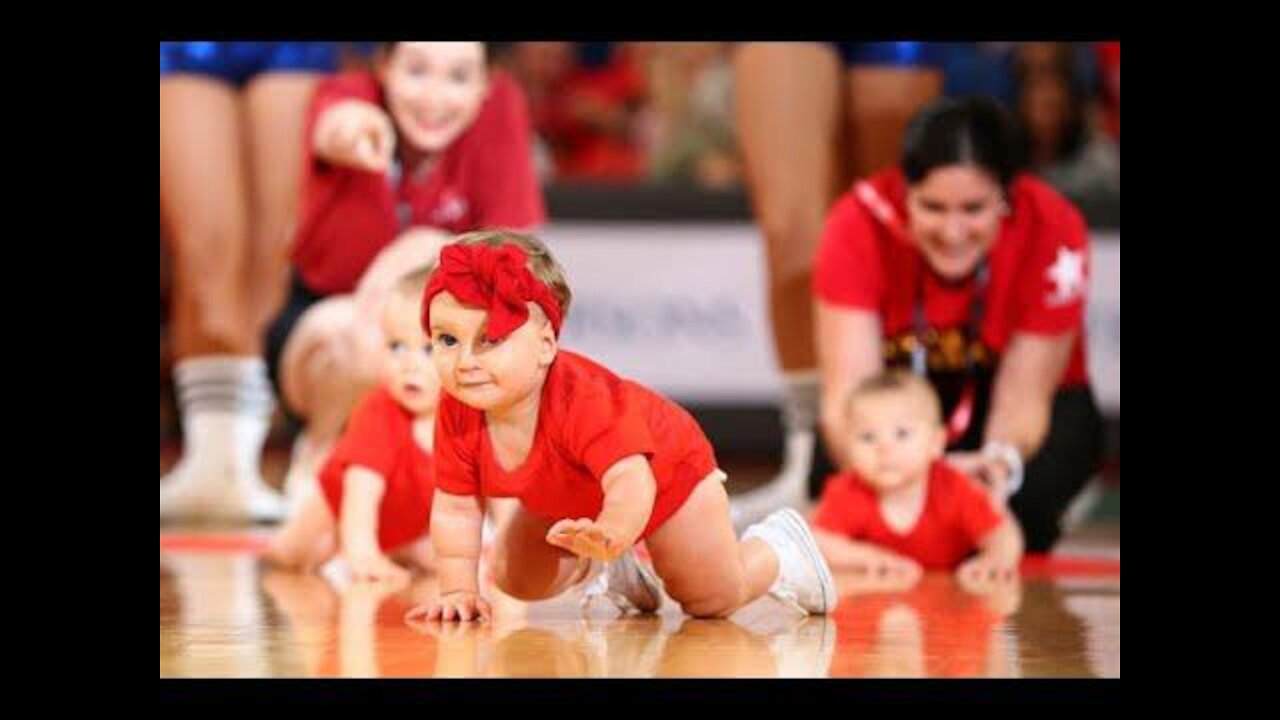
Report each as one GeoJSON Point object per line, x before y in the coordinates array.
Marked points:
{"type": "Point", "coordinates": [973, 274]}
{"type": "Point", "coordinates": [429, 142]}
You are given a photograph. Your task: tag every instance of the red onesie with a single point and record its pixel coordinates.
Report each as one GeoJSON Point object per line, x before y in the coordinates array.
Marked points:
{"type": "Point", "coordinates": [588, 419]}
{"type": "Point", "coordinates": [379, 437]}
{"type": "Point", "coordinates": [957, 514]}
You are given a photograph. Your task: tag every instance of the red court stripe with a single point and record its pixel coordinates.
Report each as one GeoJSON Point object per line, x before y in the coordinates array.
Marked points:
{"type": "Point", "coordinates": [233, 542]}
{"type": "Point", "coordinates": [1041, 565]}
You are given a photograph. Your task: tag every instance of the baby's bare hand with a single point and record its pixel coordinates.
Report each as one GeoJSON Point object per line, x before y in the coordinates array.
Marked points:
{"type": "Point", "coordinates": [462, 606]}
{"type": "Point", "coordinates": [586, 538]}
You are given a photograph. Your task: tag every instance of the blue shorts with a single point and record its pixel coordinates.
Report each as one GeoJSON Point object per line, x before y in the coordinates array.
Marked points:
{"type": "Point", "coordinates": [237, 62]}
{"type": "Point", "coordinates": [893, 54]}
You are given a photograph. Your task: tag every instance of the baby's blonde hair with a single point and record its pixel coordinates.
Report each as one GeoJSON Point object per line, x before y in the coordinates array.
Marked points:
{"type": "Point", "coordinates": [414, 282]}
{"type": "Point", "coordinates": [897, 381]}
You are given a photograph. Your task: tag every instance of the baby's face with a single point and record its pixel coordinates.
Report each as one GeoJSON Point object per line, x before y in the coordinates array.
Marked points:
{"type": "Point", "coordinates": [488, 376]}
{"type": "Point", "coordinates": [407, 371]}
{"type": "Point", "coordinates": [894, 438]}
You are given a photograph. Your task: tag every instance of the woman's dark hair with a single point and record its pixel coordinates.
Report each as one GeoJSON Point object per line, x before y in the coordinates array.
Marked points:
{"type": "Point", "coordinates": [961, 131]}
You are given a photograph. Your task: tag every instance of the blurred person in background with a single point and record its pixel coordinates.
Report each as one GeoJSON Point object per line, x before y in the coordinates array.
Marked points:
{"type": "Point", "coordinates": [586, 101]}
{"type": "Point", "coordinates": [231, 118]}
{"type": "Point", "coordinates": [811, 117]}
{"type": "Point", "coordinates": [539, 68]}
{"type": "Point", "coordinates": [1060, 142]}
{"type": "Point", "coordinates": [975, 274]}
{"type": "Point", "coordinates": [692, 139]}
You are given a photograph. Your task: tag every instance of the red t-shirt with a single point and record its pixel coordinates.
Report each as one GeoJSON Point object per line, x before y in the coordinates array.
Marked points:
{"type": "Point", "coordinates": [484, 179]}
{"type": "Point", "coordinates": [1109, 60]}
{"type": "Point", "coordinates": [379, 437]}
{"type": "Point", "coordinates": [1038, 267]}
{"type": "Point", "coordinates": [588, 419]}
{"type": "Point", "coordinates": [957, 514]}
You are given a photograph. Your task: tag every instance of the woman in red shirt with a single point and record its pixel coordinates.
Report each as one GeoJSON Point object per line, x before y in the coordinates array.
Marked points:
{"type": "Point", "coordinates": [431, 140]}
{"type": "Point", "coordinates": [974, 274]}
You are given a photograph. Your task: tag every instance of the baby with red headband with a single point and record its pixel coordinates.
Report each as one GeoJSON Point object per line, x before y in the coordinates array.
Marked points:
{"type": "Point", "coordinates": [597, 462]}
{"type": "Point", "coordinates": [376, 488]}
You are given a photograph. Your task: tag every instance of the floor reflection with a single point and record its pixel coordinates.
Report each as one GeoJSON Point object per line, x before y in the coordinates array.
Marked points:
{"type": "Point", "coordinates": [223, 615]}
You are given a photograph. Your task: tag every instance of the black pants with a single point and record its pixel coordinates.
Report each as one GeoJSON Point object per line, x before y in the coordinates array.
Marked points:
{"type": "Point", "coordinates": [300, 298]}
{"type": "Point", "coordinates": [1070, 455]}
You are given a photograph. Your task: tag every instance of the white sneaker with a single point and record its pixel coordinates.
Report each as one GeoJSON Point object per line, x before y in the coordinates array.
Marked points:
{"type": "Point", "coordinates": [221, 493]}
{"type": "Point", "coordinates": [626, 582]}
{"type": "Point", "coordinates": [803, 576]}
{"type": "Point", "coordinates": [789, 488]}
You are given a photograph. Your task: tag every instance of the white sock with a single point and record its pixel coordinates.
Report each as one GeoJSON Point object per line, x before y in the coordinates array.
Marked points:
{"type": "Point", "coordinates": [800, 401]}
{"type": "Point", "coordinates": [799, 422]}
{"type": "Point", "coordinates": [799, 406]}
{"type": "Point", "coordinates": [226, 406]}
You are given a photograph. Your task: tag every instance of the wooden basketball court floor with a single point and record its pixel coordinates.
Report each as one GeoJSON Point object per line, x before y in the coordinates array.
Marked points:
{"type": "Point", "coordinates": [223, 614]}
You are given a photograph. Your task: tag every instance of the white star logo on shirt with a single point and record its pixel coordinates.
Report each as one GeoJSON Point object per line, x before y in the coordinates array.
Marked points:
{"type": "Point", "coordinates": [451, 208]}
{"type": "Point", "coordinates": [1067, 274]}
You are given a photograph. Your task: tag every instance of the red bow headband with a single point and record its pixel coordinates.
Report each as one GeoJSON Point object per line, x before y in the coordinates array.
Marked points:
{"type": "Point", "coordinates": [494, 278]}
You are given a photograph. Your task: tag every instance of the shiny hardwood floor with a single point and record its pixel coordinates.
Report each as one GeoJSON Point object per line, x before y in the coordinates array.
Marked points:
{"type": "Point", "coordinates": [224, 615]}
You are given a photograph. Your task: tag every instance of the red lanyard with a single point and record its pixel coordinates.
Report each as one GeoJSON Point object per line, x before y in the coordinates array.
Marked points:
{"type": "Point", "coordinates": [962, 416]}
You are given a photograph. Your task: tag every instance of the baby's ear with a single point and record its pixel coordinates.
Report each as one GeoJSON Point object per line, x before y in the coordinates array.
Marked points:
{"type": "Point", "coordinates": [548, 344]}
